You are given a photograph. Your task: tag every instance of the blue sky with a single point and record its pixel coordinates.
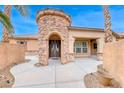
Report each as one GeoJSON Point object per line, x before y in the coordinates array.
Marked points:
{"type": "Point", "coordinates": [81, 15]}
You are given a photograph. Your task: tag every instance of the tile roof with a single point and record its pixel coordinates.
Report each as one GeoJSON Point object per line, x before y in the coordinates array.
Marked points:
{"type": "Point", "coordinates": [28, 36]}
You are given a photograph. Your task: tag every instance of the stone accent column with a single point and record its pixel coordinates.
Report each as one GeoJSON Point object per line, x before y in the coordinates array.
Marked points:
{"type": "Point", "coordinates": [71, 49]}
{"type": "Point", "coordinates": [43, 57]}
{"type": "Point", "coordinates": [64, 56]}
{"type": "Point", "coordinates": [65, 51]}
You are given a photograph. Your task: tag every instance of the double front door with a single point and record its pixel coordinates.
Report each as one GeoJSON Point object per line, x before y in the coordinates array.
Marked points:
{"type": "Point", "coordinates": [54, 48]}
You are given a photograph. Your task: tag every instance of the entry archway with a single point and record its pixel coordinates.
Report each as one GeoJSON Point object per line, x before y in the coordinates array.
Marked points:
{"type": "Point", "coordinates": [54, 46]}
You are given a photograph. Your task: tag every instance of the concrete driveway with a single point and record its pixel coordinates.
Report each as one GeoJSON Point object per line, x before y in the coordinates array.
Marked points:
{"type": "Point", "coordinates": [55, 75]}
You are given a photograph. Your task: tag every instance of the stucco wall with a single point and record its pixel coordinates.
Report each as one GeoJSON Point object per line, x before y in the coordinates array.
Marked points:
{"type": "Point", "coordinates": [10, 54]}
{"type": "Point", "coordinates": [86, 33]}
{"type": "Point", "coordinates": [113, 60]}
{"type": "Point", "coordinates": [12, 41]}
{"type": "Point", "coordinates": [32, 45]}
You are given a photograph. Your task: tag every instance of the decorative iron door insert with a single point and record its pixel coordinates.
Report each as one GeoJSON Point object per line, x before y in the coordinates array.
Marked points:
{"type": "Point", "coordinates": [54, 48]}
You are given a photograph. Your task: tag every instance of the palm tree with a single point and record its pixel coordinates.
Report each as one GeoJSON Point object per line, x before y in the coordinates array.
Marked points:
{"type": "Point", "coordinates": [107, 17]}
{"type": "Point", "coordinates": [7, 10]}
{"type": "Point", "coordinates": [6, 22]}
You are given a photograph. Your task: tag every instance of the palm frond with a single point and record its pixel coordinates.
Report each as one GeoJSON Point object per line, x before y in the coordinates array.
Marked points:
{"type": "Point", "coordinates": [23, 10]}
{"type": "Point", "coordinates": [6, 22]}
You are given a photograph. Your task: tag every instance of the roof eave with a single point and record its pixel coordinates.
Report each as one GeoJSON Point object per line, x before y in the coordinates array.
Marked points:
{"type": "Point", "coordinates": [85, 28]}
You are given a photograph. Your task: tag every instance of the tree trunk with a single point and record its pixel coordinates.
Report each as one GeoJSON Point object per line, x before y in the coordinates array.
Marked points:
{"type": "Point", "coordinates": [7, 11]}
{"type": "Point", "coordinates": [108, 32]}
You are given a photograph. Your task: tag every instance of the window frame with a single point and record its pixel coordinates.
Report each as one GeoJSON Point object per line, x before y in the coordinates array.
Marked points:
{"type": "Point", "coordinates": [82, 47]}
{"type": "Point", "coordinates": [20, 42]}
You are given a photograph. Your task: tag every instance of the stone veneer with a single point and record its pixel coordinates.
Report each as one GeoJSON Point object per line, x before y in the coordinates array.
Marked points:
{"type": "Point", "coordinates": [53, 22]}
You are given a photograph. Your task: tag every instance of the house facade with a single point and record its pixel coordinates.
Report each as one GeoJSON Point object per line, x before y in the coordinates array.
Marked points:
{"type": "Point", "coordinates": [56, 38]}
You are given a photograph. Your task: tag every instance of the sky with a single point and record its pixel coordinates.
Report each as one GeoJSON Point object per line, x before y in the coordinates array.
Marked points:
{"type": "Point", "coordinates": [81, 16]}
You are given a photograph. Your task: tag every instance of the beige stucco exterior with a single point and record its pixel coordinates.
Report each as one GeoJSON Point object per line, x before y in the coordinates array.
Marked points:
{"type": "Point", "coordinates": [53, 22]}
{"type": "Point", "coordinates": [9, 54]}
{"type": "Point", "coordinates": [113, 60]}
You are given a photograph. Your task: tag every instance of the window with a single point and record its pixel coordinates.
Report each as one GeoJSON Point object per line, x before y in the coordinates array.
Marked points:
{"type": "Point", "coordinates": [84, 47]}
{"type": "Point", "coordinates": [81, 47]}
{"type": "Point", "coordinates": [78, 47]}
{"type": "Point", "coordinates": [84, 50]}
{"type": "Point", "coordinates": [21, 42]}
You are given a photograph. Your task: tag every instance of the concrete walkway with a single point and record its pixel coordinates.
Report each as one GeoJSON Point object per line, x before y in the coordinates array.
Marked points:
{"type": "Point", "coordinates": [55, 75]}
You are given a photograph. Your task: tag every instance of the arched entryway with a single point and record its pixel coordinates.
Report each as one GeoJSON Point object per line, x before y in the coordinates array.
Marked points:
{"type": "Point", "coordinates": [54, 46]}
